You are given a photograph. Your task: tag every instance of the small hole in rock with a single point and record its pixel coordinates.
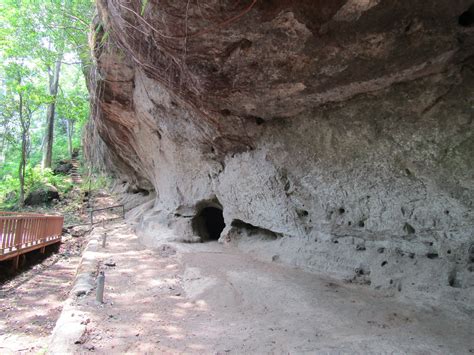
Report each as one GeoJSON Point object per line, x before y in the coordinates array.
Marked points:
{"type": "Point", "coordinates": [225, 112]}
{"type": "Point", "coordinates": [407, 228]}
{"type": "Point", "coordinates": [259, 121]}
{"type": "Point", "coordinates": [137, 191]}
{"type": "Point", "coordinates": [209, 223]}
{"type": "Point", "coordinates": [432, 255]}
{"type": "Point", "coordinates": [361, 224]}
{"type": "Point", "coordinates": [349, 223]}
{"type": "Point", "coordinates": [384, 263]}
{"type": "Point", "coordinates": [303, 213]}
{"type": "Point", "coordinates": [451, 280]}
{"type": "Point", "coordinates": [448, 252]}
{"type": "Point", "coordinates": [342, 210]}
{"type": "Point", "coordinates": [250, 230]}
{"type": "Point", "coordinates": [446, 212]}
{"type": "Point", "coordinates": [467, 17]}
{"type": "Point", "coordinates": [391, 282]}
{"type": "Point", "coordinates": [408, 172]}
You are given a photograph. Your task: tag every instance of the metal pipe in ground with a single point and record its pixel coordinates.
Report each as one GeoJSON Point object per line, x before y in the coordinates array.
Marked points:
{"type": "Point", "coordinates": [104, 240]}
{"type": "Point", "coordinates": [99, 296]}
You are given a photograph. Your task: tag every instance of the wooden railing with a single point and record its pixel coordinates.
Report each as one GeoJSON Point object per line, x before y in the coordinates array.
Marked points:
{"type": "Point", "coordinates": [92, 211]}
{"type": "Point", "coordinates": [23, 232]}
{"type": "Point", "coordinates": [18, 214]}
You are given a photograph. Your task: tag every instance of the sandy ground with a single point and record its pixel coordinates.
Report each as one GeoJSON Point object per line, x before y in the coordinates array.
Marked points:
{"type": "Point", "coordinates": [31, 302]}
{"type": "Point", "coordinates": [211, 298]}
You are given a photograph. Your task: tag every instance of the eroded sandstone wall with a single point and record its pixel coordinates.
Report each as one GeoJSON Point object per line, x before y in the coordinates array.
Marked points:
{"type": "Point", "coordinates": [336, 136]}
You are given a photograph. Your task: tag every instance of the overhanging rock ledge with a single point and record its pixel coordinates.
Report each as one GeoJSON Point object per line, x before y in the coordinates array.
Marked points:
{"type": "Point", "coordinates": [333, 135]}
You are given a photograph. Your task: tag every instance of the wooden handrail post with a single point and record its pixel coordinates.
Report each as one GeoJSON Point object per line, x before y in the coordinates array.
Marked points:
{"type": "Point", "coordinates": [43, 228]}
{"type": "Point", "coordinates": [3, 241]}
{"type": "Point", "coordinates": [19, 232]}
{"type": "Point", "coordinates": [16, 262]}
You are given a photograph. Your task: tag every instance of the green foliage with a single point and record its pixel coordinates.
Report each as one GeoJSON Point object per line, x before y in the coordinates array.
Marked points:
{"type": "Point", "coordinates": [35, 179]}
{"type": "Point", "coordinates": [143, 7]}
{"type": "Point", "coordinates": [96, 182]}
{"type": "Point", "coordinates": [104, 38]}
{"type": "Point", "coordinates": [33, 35]}
{"type": "Point", "coordinates": [9, 190]}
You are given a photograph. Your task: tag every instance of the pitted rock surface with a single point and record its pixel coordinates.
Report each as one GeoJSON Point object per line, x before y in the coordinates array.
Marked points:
{"type": "Point", "coordinates": [336, 135]}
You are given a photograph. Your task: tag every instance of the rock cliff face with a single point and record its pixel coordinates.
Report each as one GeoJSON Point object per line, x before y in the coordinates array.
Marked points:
{"type": "Point", "coordinates": [333, 135]}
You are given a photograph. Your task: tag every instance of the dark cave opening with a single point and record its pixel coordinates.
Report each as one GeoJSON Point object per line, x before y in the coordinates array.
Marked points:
{"type": "Point", "coordinates": [467, 18]}
{"type": "Point", "coordinates": [209, 223]}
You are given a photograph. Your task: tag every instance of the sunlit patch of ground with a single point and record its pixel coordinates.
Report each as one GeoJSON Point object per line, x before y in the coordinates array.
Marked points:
{"type": "Point", "coordinates": [211, 298]}
{"type": "Point", "coordinates": [31, 303]}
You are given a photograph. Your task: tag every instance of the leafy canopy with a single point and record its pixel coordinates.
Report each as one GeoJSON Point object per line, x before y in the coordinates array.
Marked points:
{"type": "Point", "coordinates": [33, 35]}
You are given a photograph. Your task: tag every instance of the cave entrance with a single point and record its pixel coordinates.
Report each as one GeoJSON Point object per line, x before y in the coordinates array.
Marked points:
{"type": "Point", "coordinates": [209, 223]}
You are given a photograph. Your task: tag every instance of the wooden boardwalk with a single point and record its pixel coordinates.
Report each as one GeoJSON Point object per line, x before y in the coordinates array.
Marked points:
{"type": "Point", "coordinates": [23, 232]}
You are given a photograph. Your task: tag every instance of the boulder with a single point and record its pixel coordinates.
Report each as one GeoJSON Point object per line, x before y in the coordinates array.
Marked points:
{"type": "Point", "coordinates": [44, 195]}
{"type": "Point", "coordinates": [64, 167]}
{"type": "Point", "coordinates": [79, 231]}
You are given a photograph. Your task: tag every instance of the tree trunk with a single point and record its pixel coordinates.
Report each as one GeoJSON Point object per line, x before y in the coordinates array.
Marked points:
{"type": "Point", "coordinates": [22, 168]}
{"type": "Point", "coordinates": [70, 132]}
{"type": "Point", "coordinates": [3, 148]}
{"type": "Point", "coordinates": [49, 134]}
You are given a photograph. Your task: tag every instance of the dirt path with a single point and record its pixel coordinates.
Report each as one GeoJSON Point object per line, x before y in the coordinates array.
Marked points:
{"type": "Point", "coordinates": [209, 298]}
{"type": "Point", "coordinates": [75, 175]}
{"type": "Point", "coordinates": [32, 299]}
{"type": "Point", "coordinates": [31, 302]}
